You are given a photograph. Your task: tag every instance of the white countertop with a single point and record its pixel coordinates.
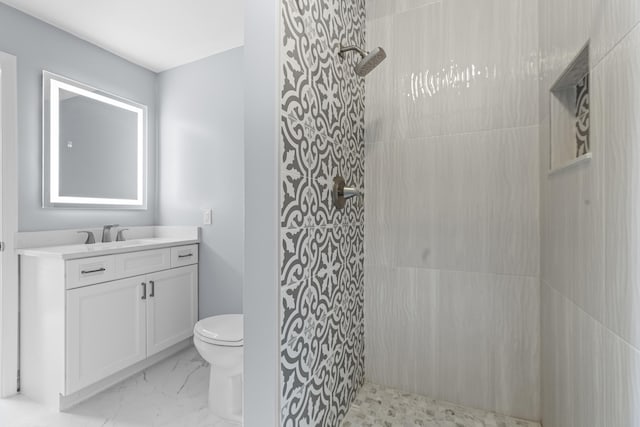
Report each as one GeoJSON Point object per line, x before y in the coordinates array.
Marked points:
{"type": "Point", "coordinates": [99, 249]}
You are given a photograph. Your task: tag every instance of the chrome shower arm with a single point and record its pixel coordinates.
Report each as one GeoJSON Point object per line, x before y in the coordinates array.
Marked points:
{"type": "Point", "coordinates": [345, 49]}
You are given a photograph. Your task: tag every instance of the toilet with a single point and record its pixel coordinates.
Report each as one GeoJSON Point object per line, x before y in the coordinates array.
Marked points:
{"type": "Point", "coordinates": [219, 341]}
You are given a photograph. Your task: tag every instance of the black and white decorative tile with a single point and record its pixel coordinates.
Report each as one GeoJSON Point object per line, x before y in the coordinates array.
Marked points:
{"type": "Point", "coordinates": [295, 255]}
{"type": "Point", "coordinates": [347, 243]}
{"type": "Point", "coordinates": [293, 188]}
{"type": "Point", "coordinates": [569, 114]}
{"type": "Point", "coordinates": [294, 147]}
{"type": "Point", "coordinates": [297, 99]}
{"type": "Point", "coordinates": [322, 334]}
{"type": "Point", "coordinates": [320, 207]}
{"type": "Point", "coordinates": [582, 117]}
{"type": "Point", "coordinates": [295, 370]}
{"type": "Point", "coordinates": [325, 157]}
{"type": "Point", "coordinates": [324, 250]}
{"type": "Point", "coordinates": [311, 406]}
{"type": "Point", "coordinates": [295, 310]}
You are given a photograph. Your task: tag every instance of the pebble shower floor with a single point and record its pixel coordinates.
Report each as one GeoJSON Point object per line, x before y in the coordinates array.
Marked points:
{"type": "Point", "coordinates": [380, 406]}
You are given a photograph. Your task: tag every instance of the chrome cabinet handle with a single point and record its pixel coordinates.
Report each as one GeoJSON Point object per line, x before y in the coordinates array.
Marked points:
{"type": "Point", "coordinates": [185, 256]}
{"type": "Point", "coordinates": [98, 270]}
{"type": "Point", "coordinates": [153, 288]}
{"type": "Point", "coordinates": [144, 290]}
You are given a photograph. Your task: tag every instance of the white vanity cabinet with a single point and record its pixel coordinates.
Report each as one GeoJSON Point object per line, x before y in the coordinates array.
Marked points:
{"type": "Point", "coordinates": [172, 307]}
{"type": "Point", "coordinates": [90, 322]}
{"type": "Point", "coordinates": [106, 331]}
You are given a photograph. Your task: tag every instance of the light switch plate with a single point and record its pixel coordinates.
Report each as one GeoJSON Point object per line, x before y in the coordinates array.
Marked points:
{"type": "Point", "coordinates": [207, 216]}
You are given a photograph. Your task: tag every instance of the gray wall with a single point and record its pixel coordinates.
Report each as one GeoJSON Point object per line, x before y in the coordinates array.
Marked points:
{"type": "Point", "coordinates": [40, 46]}
{"type": "Point", "coordinates": [261, 270]}
{"type": "Point", "coordinates": [201, 158]}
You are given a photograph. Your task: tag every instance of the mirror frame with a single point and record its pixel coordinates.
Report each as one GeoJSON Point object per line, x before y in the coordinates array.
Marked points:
{"type": "Point", "coordinates": [51, 197]}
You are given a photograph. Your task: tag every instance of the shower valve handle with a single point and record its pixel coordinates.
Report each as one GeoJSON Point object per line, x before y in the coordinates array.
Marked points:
{"type": "Point", "coordinates": [341, 193]}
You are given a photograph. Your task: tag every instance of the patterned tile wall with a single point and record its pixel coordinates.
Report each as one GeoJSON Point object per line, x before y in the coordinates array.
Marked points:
{"type": "Point", "coordinates": [322, 250]}
{"type": "Point", "coordinates": [582, 117]}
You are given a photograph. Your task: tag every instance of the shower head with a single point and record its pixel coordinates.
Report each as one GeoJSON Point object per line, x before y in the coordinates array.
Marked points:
{"type": "Point", "coordinates": [369, 61]}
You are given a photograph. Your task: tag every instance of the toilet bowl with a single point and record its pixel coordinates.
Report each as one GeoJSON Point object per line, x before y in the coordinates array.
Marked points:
{"type": "Point", "coordinates": [219, 341]}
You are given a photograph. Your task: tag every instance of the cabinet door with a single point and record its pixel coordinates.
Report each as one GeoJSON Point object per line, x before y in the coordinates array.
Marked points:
{"type": "Point", "coordinates": [172, 307]}
{"type": "Point", "coordinates": [105, 330]}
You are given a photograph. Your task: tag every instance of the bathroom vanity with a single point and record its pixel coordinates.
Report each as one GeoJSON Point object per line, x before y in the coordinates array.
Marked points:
{"type": "Point", "coordinates": [92, 315]}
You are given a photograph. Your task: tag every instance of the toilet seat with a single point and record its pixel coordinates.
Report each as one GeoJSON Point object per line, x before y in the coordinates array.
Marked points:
{"type": "Point", "coordinates": [225, 330]}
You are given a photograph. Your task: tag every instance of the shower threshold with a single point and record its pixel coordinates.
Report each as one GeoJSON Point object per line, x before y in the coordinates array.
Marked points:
{"type": "Point", "coordinates": [382, 406]}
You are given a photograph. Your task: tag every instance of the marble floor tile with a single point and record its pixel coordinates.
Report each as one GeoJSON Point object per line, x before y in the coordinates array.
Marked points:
{"type": "Point", "coordinates": [380, 406]}
{"type": "Point", "coordinates": [171, 393]}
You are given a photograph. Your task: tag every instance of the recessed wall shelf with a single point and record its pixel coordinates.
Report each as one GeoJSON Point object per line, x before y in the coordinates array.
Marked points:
{"type": "Point", "coordinates": [570, 114]}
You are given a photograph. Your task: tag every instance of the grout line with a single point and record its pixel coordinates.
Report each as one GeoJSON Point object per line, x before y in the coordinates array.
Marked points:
{"type": "Point", "coordinates": [601, 323]}
{"type": "Point", "coordinates": [423, 138]}
{"type": "Point", "coordinates": [396, 13]}
{"type": "Point", "coordinates": [444, 270]}
{"type": "Point", "coordinates": [614, 47]}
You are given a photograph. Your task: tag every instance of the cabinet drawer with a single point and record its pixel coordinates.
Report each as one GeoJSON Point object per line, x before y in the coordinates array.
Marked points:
{"type": "Point", "coordinates": [184, 255]}
{"type": "Point", "coordinates": [87, 271]}
{"type": "Point", "coordinates": [143, 262]}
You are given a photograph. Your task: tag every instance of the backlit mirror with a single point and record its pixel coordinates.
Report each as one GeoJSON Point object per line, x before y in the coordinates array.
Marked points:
{"type": "Point", "coordinates": [94, 147]}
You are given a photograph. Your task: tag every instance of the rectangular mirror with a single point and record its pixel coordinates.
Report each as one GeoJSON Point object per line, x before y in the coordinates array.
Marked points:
{"type": "Point", "coordinates": [94, 147]}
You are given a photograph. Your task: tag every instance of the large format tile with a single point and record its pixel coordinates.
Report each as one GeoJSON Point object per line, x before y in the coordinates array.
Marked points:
{"type": "Point", "coordinates": [558, 390]}
{"type": "Point", "coordinates": [589, 225]}
{"type": "Point", "coordinates": [548, 357]}
{"type": "Point", "coordinates": [382, 200]}
{"type": "Point", "coordinates": [379, 105]}
{"type": "Point", "coordinates": [464, 337]}
{"type": "Point", "coordinates": [401, 327]}
{"type": "Point", "coordinates": [490, 76]}
{"type": "Point", "coordinates": [404, 99]}
{"type": "Point", "coordinates": [621, 388]}
{"type": "Point", "coordinates": [452, 187]}
{"type": "Point", "coordinates": [418, 60]}
{"type": "Point", "coordinates": [516, 341]}
{"type": "Point", "coordinates": [572, 234]}
{"type": "Point", "coordinates": [377, 9]}
{"type": "Point", "coordinates": [447, 73]}
{"type": "Point", "coordinates": [573, 364]}
{"type": "Point", "coordinates": [462, 202]}
{"type": "Point", "coordinates": [564, 30]}
{"type": "Point", "coordinates": [572, 219]}
{"type": "Point", "coordinates": [612, 20]}
{"type": "Point", "coordinates": [488, 345]}
{"type": "Point", "coordinates": [620, 125]}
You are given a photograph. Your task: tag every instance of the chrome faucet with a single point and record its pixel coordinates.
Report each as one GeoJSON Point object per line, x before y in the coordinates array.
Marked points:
{"type": "Point", "coordinates": [120, 236]}
{"type": "Point", "coordinates": [90, 238]}
{"type": "Point", "coordinates": [106, 232]}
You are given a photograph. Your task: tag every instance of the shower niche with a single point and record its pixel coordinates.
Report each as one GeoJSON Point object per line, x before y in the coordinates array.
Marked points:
{"type": "Point", "coordinates": [570, 115]}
